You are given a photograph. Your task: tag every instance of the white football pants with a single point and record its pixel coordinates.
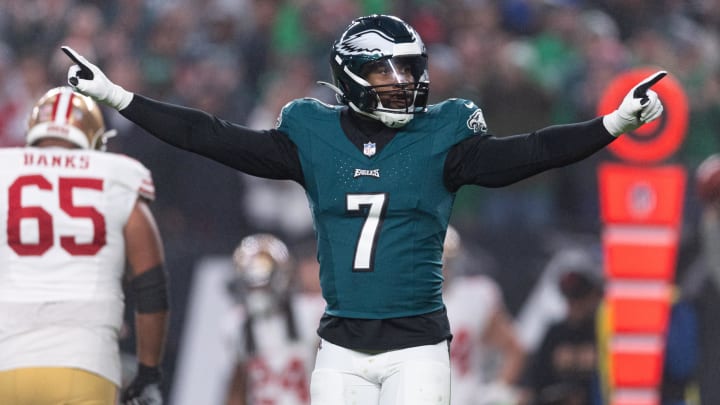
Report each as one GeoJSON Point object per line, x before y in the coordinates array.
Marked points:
{"type": "Point", "coordinates": [413, 376]}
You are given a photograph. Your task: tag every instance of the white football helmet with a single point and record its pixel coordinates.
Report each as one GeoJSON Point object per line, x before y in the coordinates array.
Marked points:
{"type": "Point", "coordinates": [64, 114]}
{"type": "Point", "coordinates": [263, 261]}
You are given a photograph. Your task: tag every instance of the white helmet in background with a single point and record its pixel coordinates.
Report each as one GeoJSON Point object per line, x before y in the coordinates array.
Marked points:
{"type": "Point", "coordinates": [263, 261]}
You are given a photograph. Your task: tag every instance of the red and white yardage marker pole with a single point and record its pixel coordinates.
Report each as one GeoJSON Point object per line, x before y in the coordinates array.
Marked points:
{"type": "Point", "coordinates": [641, 202]}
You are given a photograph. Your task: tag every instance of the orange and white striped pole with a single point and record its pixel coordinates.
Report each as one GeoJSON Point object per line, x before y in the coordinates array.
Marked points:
{"type": "Point", "coordinates": [641, 203]}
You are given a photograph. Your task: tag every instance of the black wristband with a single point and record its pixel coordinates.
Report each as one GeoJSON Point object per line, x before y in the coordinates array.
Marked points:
{"type": "Point", "coordinates": [147, 373]}
{"type": "Point", "coordinates": [150, 290]}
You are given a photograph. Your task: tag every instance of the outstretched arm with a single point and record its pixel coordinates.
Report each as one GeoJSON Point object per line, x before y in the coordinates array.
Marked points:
{"type": "Point", "coordinates": [495, 162]}
{"type": "Point", "coordinates": [499, 161]}
{"type": "Point", "coordinates": [268, 154]}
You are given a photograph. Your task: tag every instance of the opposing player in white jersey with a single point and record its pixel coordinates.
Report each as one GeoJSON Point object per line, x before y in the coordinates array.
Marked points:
{"type": "Point", "coordinates": [71, 217]}
{"type": "Point", "coordinates": [274, 326]}
{"type": "Point", "coordinates": [486, 355]}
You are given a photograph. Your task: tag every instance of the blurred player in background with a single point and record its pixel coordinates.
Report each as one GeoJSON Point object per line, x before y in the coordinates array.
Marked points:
{"type": "Point", "coordinates": [564, 368]}
{"type": "Point", "coordinates": [72, 216]}
{"type": "Point", "coordinates": [485, 354]}
{"type": "Point", "coordinates": [703, 284]}
{"type": "Point", "coordinates": [274, 325]}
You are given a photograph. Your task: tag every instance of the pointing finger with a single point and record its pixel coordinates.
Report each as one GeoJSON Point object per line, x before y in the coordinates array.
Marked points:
{"type": "Point", "coordinates": [85, 72]}
{"type": "Point", "coordinates": [641, 90]}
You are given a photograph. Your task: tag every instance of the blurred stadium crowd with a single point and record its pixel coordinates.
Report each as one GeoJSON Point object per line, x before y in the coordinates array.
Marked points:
{"type": "Point", "coordinates": [526, 63]}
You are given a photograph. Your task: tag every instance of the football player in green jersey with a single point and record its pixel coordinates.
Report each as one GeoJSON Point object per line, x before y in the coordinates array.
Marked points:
{"type": "Point", "coordinates": [381, 170]}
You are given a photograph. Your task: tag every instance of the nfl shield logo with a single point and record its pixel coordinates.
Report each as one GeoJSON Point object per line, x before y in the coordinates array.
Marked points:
{"type": "Point", "coordinates": [369, 149]}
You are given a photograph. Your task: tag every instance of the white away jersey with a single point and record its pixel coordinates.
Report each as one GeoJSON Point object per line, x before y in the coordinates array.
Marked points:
{"type": "Point", "coordinates": [279, 370]}
{"type": "Point", "coordinates": [62, 255]}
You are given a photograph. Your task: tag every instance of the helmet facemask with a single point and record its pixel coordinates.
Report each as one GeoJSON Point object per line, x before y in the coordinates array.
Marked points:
{"type": "Point", "coordinates": [382, 47]}
{"type": "Point", "coordinates": [396, 103]}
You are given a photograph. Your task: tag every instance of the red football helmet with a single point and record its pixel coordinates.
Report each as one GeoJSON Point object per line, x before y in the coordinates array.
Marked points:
{"type": "Point", "coordinates": [707, 179]}
{"type": "Point", "coordinates": [64, 114]}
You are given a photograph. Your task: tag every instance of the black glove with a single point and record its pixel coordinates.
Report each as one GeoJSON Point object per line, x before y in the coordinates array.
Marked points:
{"type": "Point", "coordinates": [144, 388]}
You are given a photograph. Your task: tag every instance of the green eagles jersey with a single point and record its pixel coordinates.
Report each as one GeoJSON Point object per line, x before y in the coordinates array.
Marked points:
{"type": "Point", "coordinates": [380, 219]}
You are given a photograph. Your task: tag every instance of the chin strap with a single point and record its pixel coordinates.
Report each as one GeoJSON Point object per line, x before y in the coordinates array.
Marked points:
{"type": "Point", "coordinates": [393, 120]}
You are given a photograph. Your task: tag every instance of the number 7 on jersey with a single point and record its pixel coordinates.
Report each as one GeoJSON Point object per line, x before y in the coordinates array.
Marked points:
{"type": "Point", "coordinates": [375, 204]}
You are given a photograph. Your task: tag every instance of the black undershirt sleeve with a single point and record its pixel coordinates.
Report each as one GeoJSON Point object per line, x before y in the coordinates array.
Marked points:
{"type": "Point", "coordinates": [491, 161]}
{"type": "Point", "coordinates": [263, 153]}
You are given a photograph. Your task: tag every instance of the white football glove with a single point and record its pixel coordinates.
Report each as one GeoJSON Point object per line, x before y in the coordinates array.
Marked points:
{"type": "Point", "coordinates": [88, 79]}
{"type": "Point", "coordinates": [641, 105]}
